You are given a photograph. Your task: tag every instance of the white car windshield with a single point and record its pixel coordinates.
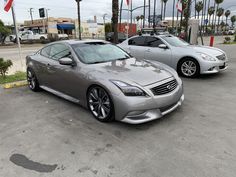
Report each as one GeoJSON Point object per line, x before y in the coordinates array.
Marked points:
{"type": "Point", "coordinates": [99, 52]}
{"type": "Point", "coordinates": [175, 41]}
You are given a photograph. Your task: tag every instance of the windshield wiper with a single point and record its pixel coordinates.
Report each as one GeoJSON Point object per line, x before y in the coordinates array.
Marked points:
{"type": "Point", "coordinates": [97, 62]}
{"type": "Point", "coordinates": [125, 58]}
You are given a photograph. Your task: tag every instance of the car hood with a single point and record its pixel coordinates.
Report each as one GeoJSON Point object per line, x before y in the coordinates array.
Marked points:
{"type": "Point", "coordinates": [132, 70]}
{"type": "Point", "coordinates": [207, 50]}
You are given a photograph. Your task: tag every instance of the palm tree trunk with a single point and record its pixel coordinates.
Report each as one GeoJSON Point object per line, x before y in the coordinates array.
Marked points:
{"type": "Point", "coordinates": [226, 23]}
{"type": "Point", "coordinates": [209, 1]}
{"type": "Point", "coordinates": [164, 11]}
{"type": "Point", "coordinates": [115, 8]}
{"type": "Point", "coordinates": [218, 24]}
{"type": "Point", "coordinates": [212, 25]}
{"type": "Point", "coordinates": [79, 22]}
{"type": "Point", "coordinates": [173, 14]}
{"type": "Point", "coordinates": [161, 10]}
{"type": "Point", "coordinates": [154, 15]}
{"type": "Point", "coordinates": [149, 12]}
{"type": "Point", "coordinates": [144, 12]}
{"type": "Point", "coordinates": [216, 17]}
{"type": "Point", "coordinates": [121, 6]}
{"type": "Point", "coordinates": [195, 12]}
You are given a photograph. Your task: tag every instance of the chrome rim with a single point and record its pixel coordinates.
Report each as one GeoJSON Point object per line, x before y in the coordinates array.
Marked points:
{"type": "Point", "coordinates": [189, 68]}
{"type": "Point", "coordinates": [99, 103]}
{"type": "Point", "coordinates": [31, 80]}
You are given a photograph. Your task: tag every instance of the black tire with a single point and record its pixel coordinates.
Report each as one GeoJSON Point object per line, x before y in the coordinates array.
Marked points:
{"type": "Point", "coordinates": [100, 104]}
{"type": "Point", "coordinates": [188, 67]}
{"type": "Point", "coordinates": [33, 83]}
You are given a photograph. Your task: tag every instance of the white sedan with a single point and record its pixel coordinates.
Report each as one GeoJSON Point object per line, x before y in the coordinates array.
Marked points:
{"type": "Point", "coordinates": [188, 60]}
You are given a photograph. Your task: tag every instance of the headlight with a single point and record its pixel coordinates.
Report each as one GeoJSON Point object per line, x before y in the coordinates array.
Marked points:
{"type": "Point", "coordinates": [207, 57]}
{"type": "Point", "coordinates": [129, 90]}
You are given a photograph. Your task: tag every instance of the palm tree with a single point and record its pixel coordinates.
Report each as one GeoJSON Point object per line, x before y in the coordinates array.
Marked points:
{"type": "Point", "coordinates": [137, 19]}
{"type": "Point", "coordinates": [198, 8]}
{"type": "Point", "coordinates": [142, 19]}
{"type": "Point", "coordinates": [164, 1]}
{"type": "Point", "coordinates": [227, 14]}
{"type": "Point", "coordinates": [211, 11]}
{"type": "Point", "coordinates": [115, 9]}
{"type": "Point", "coordinates": [219, 13]}
{"type": "Point", "coordinates": [233, 20]}
{"type": "Point", "coordinates": [79, 22]}
{"type": "Point", "coordinates": [218, 2]}
{"type": "Point", "coordinates": [162, 9]}
{"type": "Point", "coordinates": [173, 13]}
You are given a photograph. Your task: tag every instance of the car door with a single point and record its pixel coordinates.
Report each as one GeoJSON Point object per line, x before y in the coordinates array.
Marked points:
{"type": "Point", "coordinates": [63, 78]}
{"type": "Point", "coordinates": [136, 47]}
{"type": "Point", "coordinates": [154, 52]}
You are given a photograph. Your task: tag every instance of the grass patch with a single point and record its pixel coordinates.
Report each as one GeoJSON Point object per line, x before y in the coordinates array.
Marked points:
{"type": "Point", "coordinates": [18, 76]}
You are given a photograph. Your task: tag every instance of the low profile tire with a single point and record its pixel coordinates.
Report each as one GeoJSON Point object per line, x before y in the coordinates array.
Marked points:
{"type": "Point", "coordinates": [100, 104]}
{"type": "Point", "coordinates": [189, 68]}
{"type": "Point", "coordinates": [32, 80]}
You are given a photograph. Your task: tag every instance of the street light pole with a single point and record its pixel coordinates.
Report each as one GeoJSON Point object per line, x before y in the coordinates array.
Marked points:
{"type": "Point", "coordinates": [79, 22]}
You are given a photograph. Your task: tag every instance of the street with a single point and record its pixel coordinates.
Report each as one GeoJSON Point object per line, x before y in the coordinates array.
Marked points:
{"type": "Point", "coordinates": [43, 135]}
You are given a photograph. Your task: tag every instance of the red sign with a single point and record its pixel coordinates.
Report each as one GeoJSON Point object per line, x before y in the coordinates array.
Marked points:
{"type": "Point", "coordinates": [8, 4]}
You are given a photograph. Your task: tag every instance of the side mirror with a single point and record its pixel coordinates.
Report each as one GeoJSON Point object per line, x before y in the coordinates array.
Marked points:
{"type": "Point", "coordinates": [66, 61]}
{"type": "Point", "coordinates": [163, 46]}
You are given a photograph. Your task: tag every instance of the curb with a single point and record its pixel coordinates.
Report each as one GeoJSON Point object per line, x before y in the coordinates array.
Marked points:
{"type": "Point", "coordinates": [15, 84]}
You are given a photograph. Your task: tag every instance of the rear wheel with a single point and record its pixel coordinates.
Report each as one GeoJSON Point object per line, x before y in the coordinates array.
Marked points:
{"type": "Point", "coordinates": [189, 68]}
{"type": "Point", "coordinates": [32, 81]}
{"type": "Point", "coordinates": [100, 104]}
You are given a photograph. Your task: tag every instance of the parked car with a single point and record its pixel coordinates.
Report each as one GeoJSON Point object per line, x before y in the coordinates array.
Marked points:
{"type": "Point", "coordinates": [105, 79]}
{"type": "Point", "coordinates": [188, 60]}
{"type": "Point", "coordinates": [231, 32]}
{"type": "Point", "coordinates": [31, 36]}
{"type": "Point", "coordinates": [121, 37]}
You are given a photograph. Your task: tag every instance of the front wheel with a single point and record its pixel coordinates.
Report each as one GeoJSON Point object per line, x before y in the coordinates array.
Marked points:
{"type": "Point", "coordinates": [100, 104]}
{"type": "Point", "coordinates": [189, 68]}
{"type": "Point", "coordinates": [32, 81]}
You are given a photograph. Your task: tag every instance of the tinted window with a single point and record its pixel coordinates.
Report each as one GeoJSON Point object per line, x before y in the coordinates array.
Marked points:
{"type": "Point", "coordinates": [46, 51]}
{"type": "Point", "coordinates": [59, 51]}
{"type": "Point", "coordinates": [140, 41]}
{"type": "Point", "coordinates": [175, 41]}
{"type": "Point", "coordinates": [153, 42]}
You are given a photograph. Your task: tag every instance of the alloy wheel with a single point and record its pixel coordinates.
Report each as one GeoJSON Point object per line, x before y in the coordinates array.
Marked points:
{"type": "Point", "coordinates": [189, 68]}
{"type": "Point", "coordinates": [99, 103]}
{"type": "Point", "coordinates": [31, 80]}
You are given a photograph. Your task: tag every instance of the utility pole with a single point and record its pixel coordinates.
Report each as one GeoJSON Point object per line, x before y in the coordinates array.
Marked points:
{"type": "Point", "coordinates": [104, 23]}
{"type": "Point", "coordinates": [31, 15]}
{"type": "Point", "coordinates": [79, 22]}
{"type": "Point", "coordinates": [47, 14]}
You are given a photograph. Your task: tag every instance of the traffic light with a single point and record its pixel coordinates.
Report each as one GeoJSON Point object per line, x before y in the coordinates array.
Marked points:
{"type": "Point", "coordinates": [42, 12]}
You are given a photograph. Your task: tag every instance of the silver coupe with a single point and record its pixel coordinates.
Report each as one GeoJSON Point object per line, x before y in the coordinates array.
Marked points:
{"type": "Point", "coordinates": [188, 60]}
{"type": "Point", "coordinates": [106, 80]}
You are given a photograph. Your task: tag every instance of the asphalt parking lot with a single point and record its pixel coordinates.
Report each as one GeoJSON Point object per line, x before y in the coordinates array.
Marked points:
{"type": "Point", "coordinates": [42, 135]}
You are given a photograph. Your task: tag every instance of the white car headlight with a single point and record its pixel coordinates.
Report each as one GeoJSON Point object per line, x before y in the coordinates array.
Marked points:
{"type": "Point", "coordinates": [128, 89]}
{"type": "Point", "coordinates": [207, 57]}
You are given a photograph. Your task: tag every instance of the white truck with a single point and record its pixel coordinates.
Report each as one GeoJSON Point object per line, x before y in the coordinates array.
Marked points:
{"type": "Point", "coordinates": [25, 36]}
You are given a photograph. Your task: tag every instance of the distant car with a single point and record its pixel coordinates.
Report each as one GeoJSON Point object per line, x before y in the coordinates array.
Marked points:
{"type": "Point", "coordinates": [188, 60]}
{"type": "Point", "coordinates": [105, 79]}
{"type": "Point", "coordinates": [121, 37]}
{"type": "Point", "coordinates": [231, 32]}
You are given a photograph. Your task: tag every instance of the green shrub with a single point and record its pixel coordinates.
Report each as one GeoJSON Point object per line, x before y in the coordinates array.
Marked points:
{"type": "Point", "coordinates": [235, 38]}
{"type": "Point", "coordinates": [4, 66]}
{"type": "Point", "coordinates": [227, 40]}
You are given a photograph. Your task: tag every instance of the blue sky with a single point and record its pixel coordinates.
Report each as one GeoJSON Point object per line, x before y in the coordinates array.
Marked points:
{"type": "Point", "coordinates": [67, 8]}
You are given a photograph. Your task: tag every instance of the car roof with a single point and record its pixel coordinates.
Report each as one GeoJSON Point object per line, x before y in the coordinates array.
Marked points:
{"type": "Point", "coordinates": [77, 41]}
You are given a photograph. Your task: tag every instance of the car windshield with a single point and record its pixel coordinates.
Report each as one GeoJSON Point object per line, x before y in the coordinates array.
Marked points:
{"type": "Point", "coordinates": [175, 41]}
{"type": "Point", "coordinates": [99, 52]}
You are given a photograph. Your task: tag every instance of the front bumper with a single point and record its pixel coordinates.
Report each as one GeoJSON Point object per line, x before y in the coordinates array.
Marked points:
{"type": "Point", "coordinates": [136, 110]}
{"type": "Point", "coordinates": [214, 67]}
{"type": "Point", "coordinates": [153, 114]}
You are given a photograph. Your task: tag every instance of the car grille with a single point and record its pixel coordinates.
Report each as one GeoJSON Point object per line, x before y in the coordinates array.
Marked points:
{"type": "Point", "coordinates": [165, 88]}
{"type": "Point", "coordinates": [221, 57]}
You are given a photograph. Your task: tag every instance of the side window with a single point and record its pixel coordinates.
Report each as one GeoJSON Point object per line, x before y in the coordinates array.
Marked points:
{"type": "Point", "coordinates": [46, 52]}
{"type": "Point", "coordinates": [59, 51]}
{"type": "Point", "coordinates": [153, 42]}
{"type": "Point", "coordinates": [139, 41]}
